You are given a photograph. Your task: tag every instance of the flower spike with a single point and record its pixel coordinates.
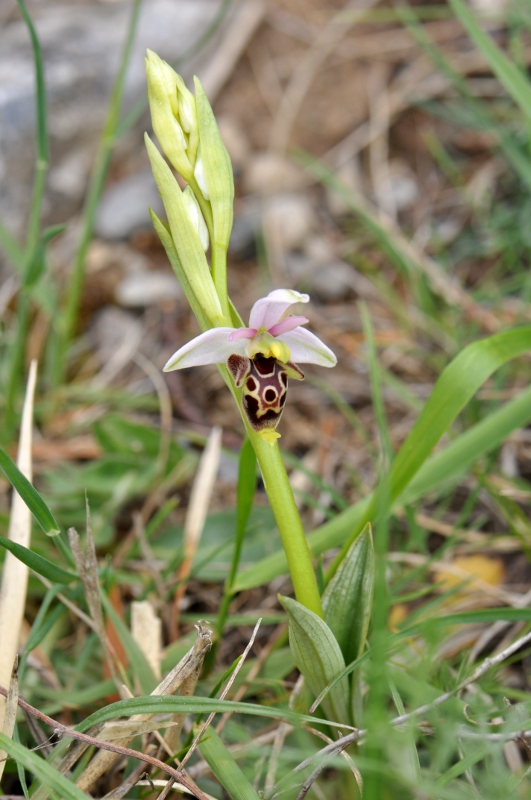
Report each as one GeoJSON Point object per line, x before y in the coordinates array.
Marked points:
{"type": "Point", "coordinates": [260, 358]}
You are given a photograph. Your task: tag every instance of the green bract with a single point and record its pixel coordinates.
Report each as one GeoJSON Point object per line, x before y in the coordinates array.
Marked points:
{"type": "Point", "coordinates": [185, 237]}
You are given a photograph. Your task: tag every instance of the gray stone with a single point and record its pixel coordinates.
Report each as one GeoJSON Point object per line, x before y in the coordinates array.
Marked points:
{"type": "Point", "coordinates": [246, 227]}
{"type": "Point", "coordinates": [124, 207]}
{"type": "Point", "coordinates": [82, 44]}
{"type": "Point", "coordinates": [147, 288]}
{"type": "Point", "coordinates": [334, 281]}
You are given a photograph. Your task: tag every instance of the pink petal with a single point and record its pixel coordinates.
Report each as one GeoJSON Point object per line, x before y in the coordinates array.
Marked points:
{"type": "Point", "coordinates": [287, 325]}
{"type": "Point", "coordinates": [243, 333]}
{"type": "Point", "coordinates": [269, 310]}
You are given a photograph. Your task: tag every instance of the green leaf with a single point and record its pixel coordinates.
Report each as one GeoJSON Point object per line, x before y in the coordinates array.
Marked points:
{"type": "Point", "coordinates": [347, 602]}
{"type": "Point", "coordinates": [317, 656]}
{"type": "Point", "coordinates": [29, 495]}
{"type": "Point", "coordinates": [457, 384]}
{"type": "Point", "coordinates": [38, 563]}
{"type": "Point", "coordinates": [45, 773]}
{"type": "Point", "coordinates": [225, 768]}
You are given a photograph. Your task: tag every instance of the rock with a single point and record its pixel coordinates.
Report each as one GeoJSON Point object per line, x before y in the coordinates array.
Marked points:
{"type": "Point", "coordinates": [82, 44]}
{"type": "Point", "coordinates": [300, 269]}
{"type": "Point", "coordinates": [268, 172]}
{"type": "Point", "coordinates": [124, 207]}
{"type": "Point", "coordinates": [333, 281]}
{"type": "Point", "coordinates": [147, 288]}
{"type": "Point", "coordinates": [290, 219]}
{"type": "Point", "coordinates": [403, 184]}
{"type": "Point", "coordinates": [111, 328]}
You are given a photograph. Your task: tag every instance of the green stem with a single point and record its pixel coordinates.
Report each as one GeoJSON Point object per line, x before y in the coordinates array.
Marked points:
{"type": "Point", "coordinates": [219, 276]}
{"type": "Point", "coordinates": [285, 511]}
{"type": "Point", "coordinates": [289, 523]}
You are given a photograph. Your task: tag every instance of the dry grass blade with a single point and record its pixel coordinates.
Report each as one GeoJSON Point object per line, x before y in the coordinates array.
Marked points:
{"type": "Point", "coordinates": [62, 730]}
{"type": "Point", "coordinates": [195, 517]}
{"type": "Point", "coordinates": [189, 666]}
{"type": "Point", "coordinates": [15, 573]}
{"type": "Point", "coordinates": [146, 629]}
{"type": "Point", "coordinates": [10, 715]}
{"type": "Point", "coordinates": [192, 671]}
{"type": "Point", "coordinates": [87, 566]}
{"type": "Point", "coordinates": [223, 695]}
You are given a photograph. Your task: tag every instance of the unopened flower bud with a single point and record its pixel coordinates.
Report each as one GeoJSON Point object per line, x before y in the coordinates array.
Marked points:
{"type": "Point", "coordinates": [188, 118]}
{"type": "Point", "coordinates": [213, 170]}
{"type": "Point", "coordinates": [164, 106]}
{"type": "Point", "coordinates": [196, 216]}
{"type": "Point", "coordinates": [199, 174]}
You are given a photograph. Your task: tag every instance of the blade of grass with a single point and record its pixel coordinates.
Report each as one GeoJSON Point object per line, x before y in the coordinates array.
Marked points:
{"type": "Point", "coordinates": [41, 125]}
{"type": "Point", "coordinates": [46, 774]}
{"type": "Point", "coordinates": [481, 113]}
{"type": "Point", "coordinates": [225, 768]}
{"type": "Point", "coordinates": [37, 563]}
{"type": "Point", "coordinates": [96, 185]}
{"type": "Point", "coordinates": [28, 494]}
{"type": "Point", "coordinates": [508, 73]}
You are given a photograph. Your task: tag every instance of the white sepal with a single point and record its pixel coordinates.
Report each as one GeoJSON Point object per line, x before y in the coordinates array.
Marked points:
{"type": "Point", "coordinates": [211, 347]}
{"type": "Point", "coordinates": [306, 348]}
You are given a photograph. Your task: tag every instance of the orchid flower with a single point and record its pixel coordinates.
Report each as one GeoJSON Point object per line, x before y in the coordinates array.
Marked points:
{"type": "Point", "coordinates": [261, 357]}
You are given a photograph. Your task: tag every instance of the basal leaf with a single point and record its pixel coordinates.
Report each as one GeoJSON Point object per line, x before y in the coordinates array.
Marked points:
{"type": "Point", "coordinates": [347, 601]}
{"type": "Point", "coordinates": [318, 657]}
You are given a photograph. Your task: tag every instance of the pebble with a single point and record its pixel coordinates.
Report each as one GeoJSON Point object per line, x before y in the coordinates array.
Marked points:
{"type": "Point", "coordinates": [403, 184]}
{"type": "Point", "coordinates": [333, 281]}
{"type": "Point", "coordinates": [246, 228]}
{"type": "Point", "coordinates": [290, 218]}
{"type": "Point", "coordinates": [124, 207]}
{"type": "Point", "coordinates": [147, 289]}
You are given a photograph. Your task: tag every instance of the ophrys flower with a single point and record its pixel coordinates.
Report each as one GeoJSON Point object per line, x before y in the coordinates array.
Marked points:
{"type": "Point", "coordinates": [261, 357]}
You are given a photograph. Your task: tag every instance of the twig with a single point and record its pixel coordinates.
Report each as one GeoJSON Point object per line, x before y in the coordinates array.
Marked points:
{"type": "Point", "coordinates": [63, 730]}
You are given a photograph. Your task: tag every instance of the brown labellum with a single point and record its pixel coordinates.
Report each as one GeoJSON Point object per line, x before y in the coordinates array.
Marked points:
{"type": "Point", "coordinates": [265, 384]}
